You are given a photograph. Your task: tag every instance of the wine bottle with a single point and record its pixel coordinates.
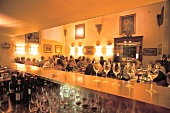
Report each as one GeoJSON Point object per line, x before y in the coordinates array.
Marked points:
{"type": "Point", "coordinates": [4, 94]}
{"type": "Point", "coordinates": [18, 92]}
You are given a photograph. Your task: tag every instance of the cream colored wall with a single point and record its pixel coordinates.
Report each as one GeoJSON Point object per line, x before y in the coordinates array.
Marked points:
{"type": "Point", "coordinates": [9, 55]}
{"type": "Point", "coordinates": [146, 26]}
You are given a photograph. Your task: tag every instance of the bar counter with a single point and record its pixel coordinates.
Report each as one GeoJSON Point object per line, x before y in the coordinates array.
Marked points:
{"type": "Point", "coordinates": [135, 99]}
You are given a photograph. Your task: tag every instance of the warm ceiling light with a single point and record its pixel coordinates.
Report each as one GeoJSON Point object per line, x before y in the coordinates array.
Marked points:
{"type": "Point", "coordinates": [6, 21]}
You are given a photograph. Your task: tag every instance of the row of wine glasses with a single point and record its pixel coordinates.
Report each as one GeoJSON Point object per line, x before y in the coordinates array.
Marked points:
{"type": "Point", "coordinates": [63, 99]}
{"type": "Point", "coordinates": [107, 67]}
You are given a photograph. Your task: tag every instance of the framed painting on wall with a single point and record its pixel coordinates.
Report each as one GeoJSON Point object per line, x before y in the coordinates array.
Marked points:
{"type": "Point", "coordinates": [58, 49]}
{"type": "Point", "coordinates": [80, 31]}
{"type": "Point", "coordinates": [48, 48]}
{"type": "Point", "coordinates": [88, 50]}
{"type": "Point", "coordinates": [32, 38]}
{"type": "Point", "coordinates": [150, 51]}
{"type": "Point", "coordinates": [128, 24]}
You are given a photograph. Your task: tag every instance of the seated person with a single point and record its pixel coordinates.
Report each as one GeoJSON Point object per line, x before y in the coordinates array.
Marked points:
{"type": "Point", "coordinates": [22, 60]}
{"type": "Point", "coordinates": [71, 65]}
{"type": "Point", "coordinates": [60, 65]}
{"type": "Point", "coordinates": [81, 64]}
{"type": "Point", "coordinates": [49, 63]}
{"type": "Point", "coordinates": [160, 66]}
{"type": "Point", "coordinates": [17, 60]}
{"type": "Point", "coordinates": [29, 62]}
{"type": "Point", "coordinates": [42, 62]}
{"type": "Point", "coordinates": [125, 75]}
{"type": "Point", "coordinates": [89, 69]}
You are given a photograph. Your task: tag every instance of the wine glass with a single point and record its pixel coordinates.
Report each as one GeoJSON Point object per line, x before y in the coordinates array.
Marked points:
{"type": "Point", "coordinates": [106, 68]}
{"type": "Point", "coordinates": [131, 72]}
{"type": "Point", "coordinates": [116, 70]}
{"type": "Point", "coordinates": [96, 67]}
{"type": "Point", "coordinates": [152, 76]}
{"type": "Point", "coordinates": [33, 108]}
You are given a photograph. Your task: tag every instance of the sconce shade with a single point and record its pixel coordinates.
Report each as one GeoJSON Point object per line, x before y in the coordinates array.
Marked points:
{"type": "Point", "coordinates": [97, 43]}
{"type": "Point", "coordinates": [109, 42]}
{"type": "Point", "coordinates": [72, 44]}
{"type": "Point", "coordinates": [99, 28]}
{"type": "Point", "coordinates": [80, 44]}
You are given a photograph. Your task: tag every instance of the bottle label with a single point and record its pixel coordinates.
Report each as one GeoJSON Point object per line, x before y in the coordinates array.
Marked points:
{"type": "Point", "coordinates": [29, 91]}
{"type": "Point", "coordinates": [17, 96]}
{"type": "Point", "coordinates": [11, 90]}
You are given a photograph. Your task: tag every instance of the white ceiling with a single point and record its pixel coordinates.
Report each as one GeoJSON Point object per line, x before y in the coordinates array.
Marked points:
{"type": "Point", "coordinates": [22, 16]}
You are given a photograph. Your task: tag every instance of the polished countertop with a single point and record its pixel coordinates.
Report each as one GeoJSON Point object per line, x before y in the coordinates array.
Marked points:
{"type": "Point", "coordinates": [136, 92]}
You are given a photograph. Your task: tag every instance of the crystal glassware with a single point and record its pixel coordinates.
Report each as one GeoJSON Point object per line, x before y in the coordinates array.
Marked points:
{"type": "Point", "coordinates": [96, 67]}
{"type": "Point", "coordinates": [106, 68]}
{"type": "Point", "coordinates": [116, 70]}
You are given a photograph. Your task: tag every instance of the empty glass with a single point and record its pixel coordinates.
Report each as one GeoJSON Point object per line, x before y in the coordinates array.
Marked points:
{"type": "Point", "coordinates": [106, 68]}
{"type": "Point", "coordinates": [116, 70]}
{"type": "Point", "coordinates": [96, 67]}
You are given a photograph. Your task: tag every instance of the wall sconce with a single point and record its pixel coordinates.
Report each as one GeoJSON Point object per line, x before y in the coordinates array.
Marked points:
{"type": "Point", "coordinates": [109, 42]}
{"type": "Point", "coordinates": [80, 44]}
{"type": "Point", "coordinates": [109, 50]}
{"type": "Point", "coordinates": [80, 31]}
{"type": "Point", "coordinates": [72, 44]}
{"type": "Point", "coordinates": [20, 49]}
{"type": "Point", "coordinates": [97, 43]}
{"type": "Point", "coordinates": [33, 50]}
{"type": "Point", "coordinates": [72, 50]}
{"type": "Point", "coordinates": [98, 50]}
{"type": "Point", "coordinates": [80, 50]}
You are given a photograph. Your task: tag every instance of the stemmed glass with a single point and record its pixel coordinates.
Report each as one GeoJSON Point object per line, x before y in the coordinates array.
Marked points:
{"type": "Point", "coordinates": [152, 76]}
{"type": "Point", "coordinates": [96, 67]}
{"type": "Point", "coordinates": [116, 70]}
{"type": "Point", "coordinates": [130, 71]}
{"type": "Point", "coordinates": [106, 67]}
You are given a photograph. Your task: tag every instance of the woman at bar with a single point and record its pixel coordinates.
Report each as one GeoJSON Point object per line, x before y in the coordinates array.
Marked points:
{"type": "Point", "coordinates": [71, 65]}
{"type": "Point", "coordinates": [49, 63]}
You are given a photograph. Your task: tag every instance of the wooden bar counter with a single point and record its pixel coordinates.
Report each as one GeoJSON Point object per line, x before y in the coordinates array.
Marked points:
{"type": "Point", "coordinates": [117, 98]}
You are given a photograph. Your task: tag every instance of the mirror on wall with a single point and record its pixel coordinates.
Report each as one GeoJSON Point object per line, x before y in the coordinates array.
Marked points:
{"type": "Point", "coordinates": [126, 48]}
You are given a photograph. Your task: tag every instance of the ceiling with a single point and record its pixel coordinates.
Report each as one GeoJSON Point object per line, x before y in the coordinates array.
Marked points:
{"type": "Point", "coordinates": [18, 17]}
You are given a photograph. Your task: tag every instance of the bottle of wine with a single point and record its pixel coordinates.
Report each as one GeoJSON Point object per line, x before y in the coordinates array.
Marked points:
{"type": "Point", "coordinates": [4, 94]}
{"type": "Point", "coordinates": [18, 92]}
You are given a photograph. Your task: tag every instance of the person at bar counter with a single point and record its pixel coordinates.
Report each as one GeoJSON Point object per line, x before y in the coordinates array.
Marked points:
{"type": "Point", "coordinates": [49, 63]}
{"type": "Point", "coordinates": [42, 62]}
{"type": "Point", "coordinates": [102, 61]}
{"type": "Point", "coordinates": [71, 65]}
{"type": "Point", "coordinates": [89, 69]}
{"type": "Point", "coordinates": [125, 75]}
{"type": "Point", "coordinates": [29, 62]}
{"type": "Point", "coordinates": [161, 78]}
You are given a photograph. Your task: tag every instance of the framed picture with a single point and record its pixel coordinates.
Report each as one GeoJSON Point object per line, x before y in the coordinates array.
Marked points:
{"type": "Point", "coordinates": [80, 31]}
{"type": "Point", "coordinates": [58, 49]}
{"type": "Point", "coordinates": [48, 48]}
{"type": "Point", "coordinates": [128, 24]}
{"type": "Point", "coordinates": [88, 50]}
{"type": "Point", "coordinates": [150, 51]}
{"type": "Point", "coordinates": [32, 38]}
{"type": "Point", "coordinates": [160, 49]}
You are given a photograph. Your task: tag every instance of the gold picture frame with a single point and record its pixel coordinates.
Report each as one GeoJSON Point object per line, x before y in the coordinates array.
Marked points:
{"type": "Point", "coordinates": [128, 24]}
{"type": "Point", "coordinates": [48, 48]}
{"type": "Point", "coordinates": [88, 50]}
{"type": "Point", "coordinates": [32, 38]}
{"type": "Point", "coordinates": [58, 49]}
